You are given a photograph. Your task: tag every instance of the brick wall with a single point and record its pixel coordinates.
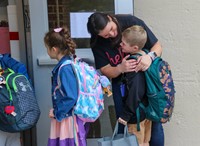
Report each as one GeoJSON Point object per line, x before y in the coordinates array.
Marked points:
{"type": "Point", "coordinates": [58, 13]}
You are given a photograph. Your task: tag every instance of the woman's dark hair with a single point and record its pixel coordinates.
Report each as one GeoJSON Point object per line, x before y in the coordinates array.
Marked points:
{"type": "Point", "coordinates": [97, 22]}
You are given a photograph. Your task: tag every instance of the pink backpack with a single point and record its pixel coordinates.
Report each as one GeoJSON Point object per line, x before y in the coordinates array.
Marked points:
{"type": "Point", "coordinates": [90, 103]}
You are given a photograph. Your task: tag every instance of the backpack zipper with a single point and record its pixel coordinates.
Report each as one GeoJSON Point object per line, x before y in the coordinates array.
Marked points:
{"type": "Point", "coordinates": [13, 84]}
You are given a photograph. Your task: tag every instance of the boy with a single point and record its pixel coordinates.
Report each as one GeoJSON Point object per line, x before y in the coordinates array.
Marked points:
{"type": "Point", "coordinates": [133, 40]}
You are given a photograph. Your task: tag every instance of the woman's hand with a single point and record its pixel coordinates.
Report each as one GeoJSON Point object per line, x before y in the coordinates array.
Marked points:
{"type": "Point", "coordinates": [120, 120]}
{"type": "Point", "coordinates": [51, 115]}
{"type": "Point", "coordinates": [143, 63]}
{"type": "Point", "coordinates": [127, 65]}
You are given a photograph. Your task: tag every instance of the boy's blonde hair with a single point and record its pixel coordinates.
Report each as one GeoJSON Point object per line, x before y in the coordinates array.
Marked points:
{"type": "Point", "coordinates": [135, 35]}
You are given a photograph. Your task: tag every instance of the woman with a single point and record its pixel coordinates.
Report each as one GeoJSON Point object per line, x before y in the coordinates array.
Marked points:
{"type": "Point", "coordinates": [105, 42]}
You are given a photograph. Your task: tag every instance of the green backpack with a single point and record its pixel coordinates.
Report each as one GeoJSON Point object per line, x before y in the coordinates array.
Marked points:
{"type": "Point", "coordinates": [160, 92]}
{"type": "Point", "coordinates": [19, 109]}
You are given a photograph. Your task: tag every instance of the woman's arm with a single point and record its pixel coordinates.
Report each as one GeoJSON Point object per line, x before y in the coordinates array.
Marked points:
{"type": "Point", "coordinates": [145, 61]}
{"type": "Point", "coordinates": [157, 48]}
{"type": "Point", "coordinates": [142, 63]}
{"type": "Point", "coordinates": [110, 71]}
{"type": "Point", "coordinates": [115, 71]}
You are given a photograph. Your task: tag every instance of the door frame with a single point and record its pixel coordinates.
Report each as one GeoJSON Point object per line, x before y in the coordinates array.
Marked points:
{"type": "Point", "coordinates": [40, 62]}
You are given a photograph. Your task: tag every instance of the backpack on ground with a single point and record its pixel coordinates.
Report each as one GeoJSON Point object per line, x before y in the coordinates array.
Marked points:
{"type": "Point", "coordinates": [90, 102]}
{"type": "Point", "coordinates": [18, 106]}
{"type": "Point", "coordinates": [160, 91]}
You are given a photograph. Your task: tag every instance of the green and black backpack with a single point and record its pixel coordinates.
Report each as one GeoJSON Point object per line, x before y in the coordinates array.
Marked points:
{"type": "Point", "coordinates": [19, 109]}
{"type": "Point", "coordinates": [160, 91]}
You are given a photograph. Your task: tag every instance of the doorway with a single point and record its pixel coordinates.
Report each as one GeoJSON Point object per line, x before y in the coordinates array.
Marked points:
{"type": "Point", "coordinates": [41, 12]}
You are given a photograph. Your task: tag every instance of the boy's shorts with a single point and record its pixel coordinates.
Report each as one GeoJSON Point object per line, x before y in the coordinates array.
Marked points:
{"type": "Point", "coordinates": [144, 135]}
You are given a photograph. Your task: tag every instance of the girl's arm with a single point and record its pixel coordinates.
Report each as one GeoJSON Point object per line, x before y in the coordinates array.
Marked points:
{"type": "Point", "coordinates": [51, 114]}
{"type": "Point", "coordinates": [69, 87]}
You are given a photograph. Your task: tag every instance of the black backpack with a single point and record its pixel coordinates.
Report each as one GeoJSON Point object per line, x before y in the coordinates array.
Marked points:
{"type": "Point", "coordinates": [19, 109]}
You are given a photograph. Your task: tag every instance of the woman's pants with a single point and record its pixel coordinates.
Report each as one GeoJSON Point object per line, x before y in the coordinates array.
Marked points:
{"type": "Point", "coordinates": [157, 134]}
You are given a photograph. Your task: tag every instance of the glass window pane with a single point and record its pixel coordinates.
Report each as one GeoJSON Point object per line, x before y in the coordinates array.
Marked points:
{"type": "Point", "coordinates": [59, 13]}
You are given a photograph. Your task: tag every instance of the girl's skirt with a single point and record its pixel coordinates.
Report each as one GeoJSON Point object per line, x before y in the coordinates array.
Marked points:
{"type": "Point", "coordinates": [69, 132]}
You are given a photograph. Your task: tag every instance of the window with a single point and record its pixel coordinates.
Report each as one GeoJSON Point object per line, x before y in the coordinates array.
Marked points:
{"type": "Point", "coordinates": [59, 12]}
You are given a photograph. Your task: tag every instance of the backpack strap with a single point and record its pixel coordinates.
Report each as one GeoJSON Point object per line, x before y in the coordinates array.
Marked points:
{"type": "Point", "coordinates": [7, 85]}
{"type": "Point", "coordinates": [141, 105]}
{"type": "Point", "coordinates": [138, 118]}
{"type": "Point", "coordinates": [150, 76]}
{"type": "Point", "coordinates": [75, 131]}
{"type": "Point", "coordinates": [58, 77]}
{"type": "Point", "coordinates": [72, 62]}
{"type": "Point", "coordinates": [148, 72]}
{"type": "Point", "coordinates": [134, 56]}
{"type": "Point", "coordinates": [146, 51]}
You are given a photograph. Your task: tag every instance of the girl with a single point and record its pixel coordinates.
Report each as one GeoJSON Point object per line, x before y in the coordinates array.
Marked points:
{"type": "Point", "coordinates": [66, 128]}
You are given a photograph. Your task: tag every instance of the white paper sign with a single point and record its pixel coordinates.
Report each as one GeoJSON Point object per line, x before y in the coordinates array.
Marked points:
{"type": "Point", "coordinates": [78, 24]}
